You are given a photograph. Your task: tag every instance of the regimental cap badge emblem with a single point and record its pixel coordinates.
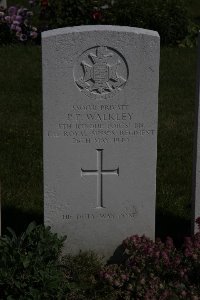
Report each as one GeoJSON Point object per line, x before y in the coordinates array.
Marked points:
{"type": "Point", "coordinates": [100, 72]}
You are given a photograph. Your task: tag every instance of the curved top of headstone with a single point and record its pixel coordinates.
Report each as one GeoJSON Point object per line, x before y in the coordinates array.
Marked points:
{"type": "Point", "coordinates": [87, 28]}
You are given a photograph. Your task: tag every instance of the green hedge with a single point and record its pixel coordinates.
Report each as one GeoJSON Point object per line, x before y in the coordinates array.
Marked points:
{"type": "Point", "coordinates": [168, 17]}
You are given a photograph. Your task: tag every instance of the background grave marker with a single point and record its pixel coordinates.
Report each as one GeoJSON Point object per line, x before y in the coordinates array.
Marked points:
{"type": "Point", "coordinates": [196, 165]}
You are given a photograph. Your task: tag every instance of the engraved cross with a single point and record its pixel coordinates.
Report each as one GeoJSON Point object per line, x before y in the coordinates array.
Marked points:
{"type": "Point", "coordinates": [99, 172]}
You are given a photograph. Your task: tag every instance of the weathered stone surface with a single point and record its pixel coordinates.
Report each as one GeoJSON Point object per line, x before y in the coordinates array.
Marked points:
{"type": "Point", "coordinates": [3, 3]}
{"type": "Point", "coordinates": [100, 90]}
{"type": "Point", "coordinates": [196, 165]}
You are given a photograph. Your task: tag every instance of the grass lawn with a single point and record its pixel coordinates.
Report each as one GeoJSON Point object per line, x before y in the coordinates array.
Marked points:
{"type": "Point", "coordinates": [194, 9]}
{"type": "Point", "coordinates": [175, 139]}
{"type": "Point", "coordinates": [21, 137]}
{"type": "Point", "coordinates": [21, 133]}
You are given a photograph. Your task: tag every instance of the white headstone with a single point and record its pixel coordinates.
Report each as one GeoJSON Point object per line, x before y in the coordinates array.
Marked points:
{"type": "Point", "coordinates": [3, 3]}
{"type": "Point", "coordinates": [100, 90]}
{"type": "Point", "coordinates": [196, 168]}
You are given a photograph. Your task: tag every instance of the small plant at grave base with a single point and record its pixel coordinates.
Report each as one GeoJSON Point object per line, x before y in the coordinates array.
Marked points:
{"type": "Point", "coordinates": [30, 265]}
{"type": "Point", "coordinates": [82, 271]}
{"type": "Point", "coordinates": [15, 25]}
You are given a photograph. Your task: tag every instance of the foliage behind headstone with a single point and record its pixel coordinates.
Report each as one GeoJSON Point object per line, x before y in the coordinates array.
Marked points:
{"type": "Point", "coordinates": [168, 17]}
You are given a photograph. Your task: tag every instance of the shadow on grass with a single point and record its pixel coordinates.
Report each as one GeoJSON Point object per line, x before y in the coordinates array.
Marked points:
{"type": "Point", "coordinates": [166, 225]}
{"type": "Point", "coordinates": [173, 226]}
{"type": "Point", "coordinates": [18, 219]}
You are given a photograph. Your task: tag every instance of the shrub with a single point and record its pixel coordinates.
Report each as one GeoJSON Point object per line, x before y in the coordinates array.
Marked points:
{"type": "Point", "coordinates": [156, 270]}
{"type": "Point", "coordinates": [168, 17]}
{"type": "Point", "coordinates": [16, 26]}
{"type": "Point", "coordinates": [191, 39]}
{"type": "Point", "coordinates": [30, 266]}
{"type": "Point", "coordinates": [63, 13]}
